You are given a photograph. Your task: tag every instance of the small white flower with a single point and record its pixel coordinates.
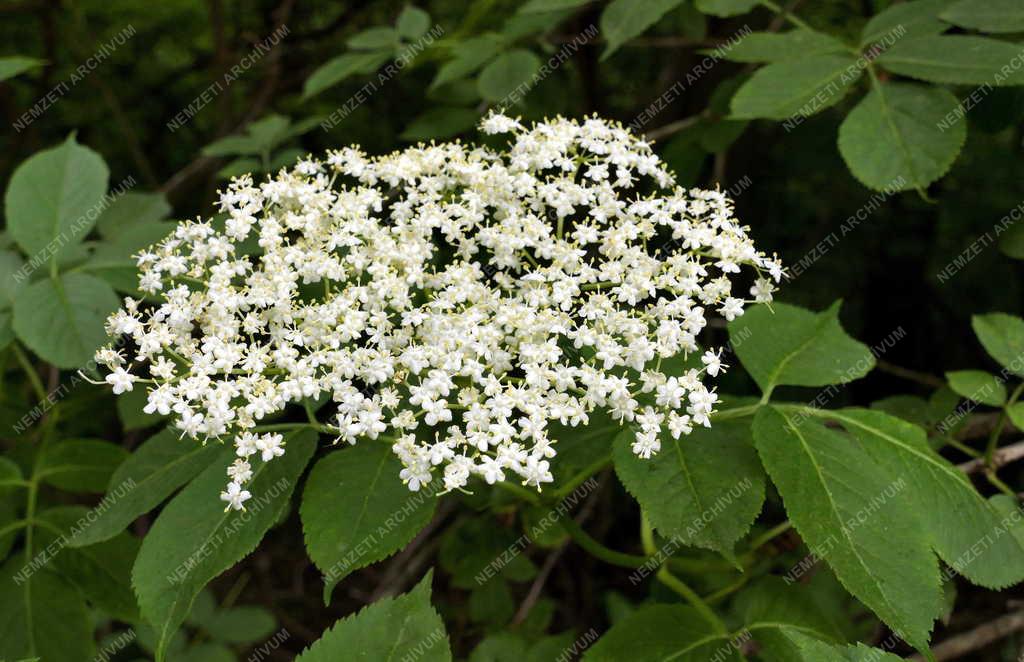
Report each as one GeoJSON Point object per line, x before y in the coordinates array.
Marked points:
{"type": "Point", "coordinates": [121, 380]}
{"type": "Point", "coordinates": [235, 496]}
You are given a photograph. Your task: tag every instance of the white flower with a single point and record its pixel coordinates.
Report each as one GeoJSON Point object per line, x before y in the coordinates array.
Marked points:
{"type": "Point", "coordinates": [121, 380]}
{"type": "Point", "coordinates": [459, 302]}
{"type": "Point", "coordinates": [235, 496]}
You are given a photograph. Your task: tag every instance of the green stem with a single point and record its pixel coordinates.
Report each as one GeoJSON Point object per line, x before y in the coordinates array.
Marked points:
{"type": "Point", "coordinates": [280, 427]}
{"type": "Point", "coordinates": [770, 535]}
{"type": "Point", "coordinates": [736, 412]}
{"type": "Point", "coordinates": [997, 431]}
{"type": "Point", "coordinates": [596, 549]}
{"type": "Point", "coordinates": [792, 18]}
{"type": "Point", "coordinates": [582, 477]}
{"type": "Point", "coordinates": [520, 491]}
{"type": "Point", "coordinates": [688, 594]}
{"type": "Point", "coordinates": [30, 371]}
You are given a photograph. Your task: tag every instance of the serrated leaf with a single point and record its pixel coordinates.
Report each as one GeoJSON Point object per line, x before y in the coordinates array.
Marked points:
{"type": "Point", "coordinates": [412, 23]}
{"type": "Point", "coordinates": [50, 197]}
{"type": "Point", "coordinates": [15, 65]}
{"type": "Point", "coordinates": [42, 616]}
{"type": "Point", "coordinates": [468, 56]}
{"type": "Point", "coordinates": [968, 533]}
{"type": "Point", "coordinates": [663, 632]}
{"type": "Point", "coordinates": [846, 510]}
{"type": "Point", "coordinates": [62, 319]}
{"type": "Point", "coordinates": [726, 8]}
{"type": "Point", "coordinates": [172, 568]}
{"type": "Point", "coordinates": [162, 464]}
{"type": "Point", "coordinates": [1002, 336]}
{"type": "Point", "coordinates": [796, 88]}
{"type": "Point", "coordinates": [102, 572]}
{"type": "Point", "coordinates": [80, 465]}
{"type": "Point", "coordinates": [895, 140]}
{"type": "Point", "coordinates": [961, 59]}
{"type": "Point", "coordinates": [704, 489]}
{"type": "Point", "coordinates": [978, 385]}
{"type": "Point", "coordinates": [131, 209]}
{"type": "Point", "coordinates": [809, 649]}
{"type": "Point", "coordinates": [776, 46]}
{"type": "Point", "coordinates": [356, 511]}
{"type": "Point", "coordinates": [770, 608]}
{"type": "Point", "coordinates": [986, 15]}
{"type": "Point", "coordinates": [406, 627]}
{"type": "Point", "coordinates": [11, 278]}
{"type": "Point", "coordinates": [344, 66]}
{"type": "Point", "coordinates": [1015, 412]}
{"type": "Point", "coordinates": [623, 20]}
{"type": "Point", "coordinates": [906, 19]}
{"type": "Point", "coordinates": [789, 345]}
{"type": "Point", "coordinates": [507, 72]}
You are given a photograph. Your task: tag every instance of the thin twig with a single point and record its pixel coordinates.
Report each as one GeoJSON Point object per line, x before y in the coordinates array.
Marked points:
{"type": "Point", "coordinates": [1001, 457]}
{"type": "Point", "coordinates": [979, 637]}
{"type": "Point", "coordinates": [912, 375]}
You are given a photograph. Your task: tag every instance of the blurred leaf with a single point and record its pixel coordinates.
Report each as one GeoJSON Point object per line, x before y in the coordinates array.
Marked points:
{"type": "Point", "coordinates": [412, 23]}
{"type": "Point", "coordinates": [62, 320]}
{"type": "Point", "coordinates": [440, 123]}
{"type": "Point", "coordinates": [10, 279]}
{"type": "Point", "coordinates": [1002, 336]}
{"type": "Point", "coordinates": [955, 59]}
{"type": "Point", "coordinates": [979, 386]}
{"type": "Point", "coordinates": [15, 65]}
{"type": "Point", "coordinates": [240, 625]}
{"type": "Point", "coordinates": [796, 88]}
{"type": "Point", "coordinates": [986, 15]}
{"type": "Point", "coordinates": [406, 627]}
{"type": "Point", "coordinates": [534, 6]}
{"type": "Point", "coordinates": [132, 209]}
{"type": "Point", "coordinates": [663, 632]}
{"type": "Point", "coordinates": [501, 77]}
{"type": "Point", "coordinates": [53, 197]}
{"type": "Point", "coordinates": [342, 67]}
{"type": "Point", "coordinates": [80, 465]}
{"type": "Point", "coordinates": [623, 20]}
{"type": "Point", "coordinates": [726, 8]}
{"type": "Point", "coordinates": [894, 138]}
{"type": "Point", "coordinates": [810, 649]}
{"type": "Point", "coordinates": [374, 39]}
{"type": "Point", "coordinates": [468, 56]}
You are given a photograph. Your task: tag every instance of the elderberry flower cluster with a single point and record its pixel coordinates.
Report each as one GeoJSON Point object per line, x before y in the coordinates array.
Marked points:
{"type": "Point", "coordinates": [451, 300]}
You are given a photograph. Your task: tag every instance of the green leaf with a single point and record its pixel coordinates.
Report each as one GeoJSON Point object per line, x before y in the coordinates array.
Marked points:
{"type": "Point", "coordinates": [132, 209]}
{"type": "Point", "coordinates": [356, 511]}
{"type": "Point", "coordinates": [130, 410]}
{"type": "Point", "coordinates": [796, 88]}
{"type": "Point", "coordinates": [406, 627]}
{"type": "Point", "coordinates": [15, 65]}
{"type": "Point", "coordinates": [704, 489]}
{"type": "Point", "coordinates": [896, 138]}
{"type": "Point", "coordinates": [1016, 414]}
{"type": "Point", "coordinates": [62, 320]}
{"type": "Point", "coordinates": [663, 632]}
{"type": "Point", "coordinates": [344, 66]}
{"type": "Point", "coordinates": [162, 464]}
{"type": "Point", "coordinates": [374, 39]}
{"type": "Point", "coordinates": [776, 46]}
{"type": "Point", "coordinates": [789, 345]}
{"type": "Point", "coordinates": [412, 23]}
{"type": "Point", "coordinates": [986, 15]}
{"type": "Point", "coordinates": [501, 77]}
{"type": "Point", "coordinates": [540, 6]}
{"type": "Point", "coordinates": [477, 551]}
{"type": "Point", "coordinates": [905, 19]}
{"type": "Point", "coordinates": [80, 465]}
{"type": "Point", "coordinates": [240, 625]}
{"type": "Point", "coordinates": [1002, 336]}
{"type": "Point", "coordinates": [10, 484]}
{"type": "Point", "coordinates": [964, 59]}
{"type": "Point", "coordinates": [440, 123]}
{"type": "Point", "coordinates": [726, 8]}
{"type": "Point", "coordinates": [42, 616]}
{"type": "Point", "coordinates": [172, 568]}
{"type": "Point", "coordinates": [206, 653]}
{"type": "Point", "coordinates": [968, 532]}
{"type": "Point", "coordinates": [53, 198]}
{"type": "Point", "coordinates": [979, 386]}
{"type": "Point", "coordinates": [623, 20]}
{"type": "Point", "coordinates": [102, 572]}
{"type": "Point", "coordinates": [770, 608]}
{"type": "Point", "coordinates": [1011, 243]}
{"type": "Point", "coordinates": [11, 280]}
{"type": "Point", "coordinates": [809, 649]}
{"type": "Point", "coordinates": [468, 56]}
{"type": "Point", "coordinates": [846, 510]}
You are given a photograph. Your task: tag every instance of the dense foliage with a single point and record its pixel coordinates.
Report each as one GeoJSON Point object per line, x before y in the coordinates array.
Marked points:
{"type": "Point", "coordinates": [856, 495]}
